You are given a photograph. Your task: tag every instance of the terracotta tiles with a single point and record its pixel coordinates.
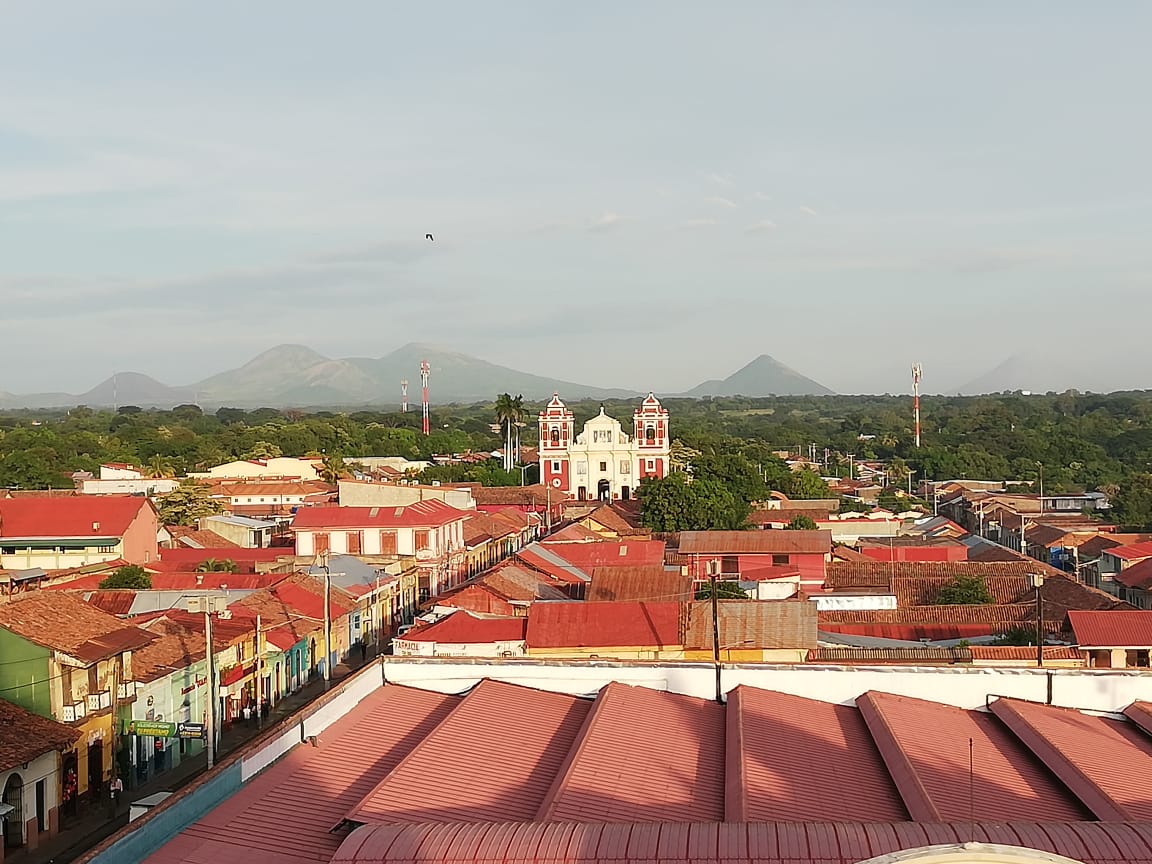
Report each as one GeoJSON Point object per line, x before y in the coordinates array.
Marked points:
{"type": "Point", "coordinates": [24, 736]}
{"type": "Point", "coordinates": [484, 770]}
{"type": "Point", "coordinates": [286, 814]}
{"type": "Point", "coordinates": [772, 774]}
{"type": "Point", "coordinates": [1107, 763]}
{"type": "Point", "coordinates": [925, 746]}
{"type": "Point", "coordinates": [669, 767]}
{"type": "Point", "coordinates": [65, 623]}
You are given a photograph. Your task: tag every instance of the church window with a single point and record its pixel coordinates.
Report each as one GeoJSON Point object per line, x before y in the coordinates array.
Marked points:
{"type": "Point", "coordinates": [650, 434]}
{"type": "Point", "coordinates": [603, 466]}
{"type": "Point", "coordinates": [555, 436]}
{"type": "Point", "coordinates": [625, 467]}
{"type": "Point", "coordinates": [651, 464]}
{"type": "Point", "coordinates": [555, 466]}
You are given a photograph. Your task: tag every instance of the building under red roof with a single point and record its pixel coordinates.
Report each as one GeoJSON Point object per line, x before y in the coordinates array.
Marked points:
{"type": "Point", "coordinates": [430, 513]}
{"type": "Point", "coordinates": [1133, 552]}
{"type": "Point", "coordinates": [602, 625]}
{"type": "Point", "coordinates": [653, 776]}
{"type": "Point", "coordinates": [1114, 629]}
{"type": "Point", "coordinates": [245, 559]}
{"type": "Point", "coordinates": [463, 628]}
{"type": "Point", "coordinates": [77, 516]}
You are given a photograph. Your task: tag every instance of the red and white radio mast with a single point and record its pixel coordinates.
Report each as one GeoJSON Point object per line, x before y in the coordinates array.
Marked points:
{"type": "Point", "coordinates": [404, 396]}
{"type": "Point", "coordinates": [424, 370]}
{"type": "Point", "coordinates": [916, 399]}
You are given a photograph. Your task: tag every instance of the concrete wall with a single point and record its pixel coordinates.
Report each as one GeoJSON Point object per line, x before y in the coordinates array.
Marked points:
{"type": "Point", "coordinates": [147, 486]}
{"type": "Point", "coordinates": [46, 768]}
{"type": "Point", "coordinates": [359, 493]}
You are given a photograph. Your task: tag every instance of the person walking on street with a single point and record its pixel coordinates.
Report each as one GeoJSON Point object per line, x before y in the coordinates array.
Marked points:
{"type": "Point", "coordinates": [115, 790]}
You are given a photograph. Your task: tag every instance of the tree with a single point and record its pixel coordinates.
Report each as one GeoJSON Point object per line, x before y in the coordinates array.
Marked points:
{"type": "Point", "coordinates": [262, 450]}
{"type": "Point", "coordinates": [724, 591]}
{"type": "Point", "coordinates": [215, 565]}
{"type": "Point", "coordinates": [802, 522]}
{"type": "Point", "coordinates": [128, 576]}
{"type": "Point", "coordinates": [1133, 503]}
{"type": "Point", "coordinates": [187, 503]}
{"type": "Point", "coordinates": [509, 413]}
{"type": "Point", "coordinates": [334, 469]}
{"type": "Point", "coordinates": [674, 504]}
{"type": "Point", "coordinates": [965, 591]}
{"type": "Point", "coordinates": [159, 468]}
{"type": "Point", "coordinates": [1017, 634]}
{"type": "Point", "coordinates": [807, 484]}
{"type": "Point", "coordinates": [736, 473]}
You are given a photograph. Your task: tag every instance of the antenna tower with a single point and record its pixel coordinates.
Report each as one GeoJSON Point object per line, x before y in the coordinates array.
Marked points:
{"type": "Point", "coordinates": [916, 399]}
{"type": "Point", "coordinates": [424, 370]}
{"type": "Point", "coordinates": [404, 396]}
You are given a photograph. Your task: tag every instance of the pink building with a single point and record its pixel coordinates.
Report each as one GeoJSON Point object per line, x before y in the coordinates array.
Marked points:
{"type": "Point", "coordinates": [733, 555]}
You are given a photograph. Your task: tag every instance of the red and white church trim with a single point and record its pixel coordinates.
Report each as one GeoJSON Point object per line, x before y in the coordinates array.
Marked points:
{"type": "Point", "coordinates": [602, 461]}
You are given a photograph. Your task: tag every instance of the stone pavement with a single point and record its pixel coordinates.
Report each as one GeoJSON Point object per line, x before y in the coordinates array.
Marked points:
{"type": "Point", "coordinates": [96, 821]}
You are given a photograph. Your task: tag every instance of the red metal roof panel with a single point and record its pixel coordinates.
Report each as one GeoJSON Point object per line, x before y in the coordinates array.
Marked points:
{"type": "Point", "coordinates": [926, 748]}
{"type": "Point", "coordinates": [1105, 762]}
{"type": "Point", "coordinates": [668, 768]}
{"type": "Point", "coordinates": [1119, 628]}
{"type": "Point", "coordinates": [464, 628]}
{"type": "Point", "coordinates": [285, 813]}
{"type": "Point", "coordinates": [1140, 713]}
{"type": "Point", "coordinates": [772, 772]}
{"type": "Point", "coordinates": [494, 759]}
{"type": "Point", "coordinates": [592, 624]}
{"type": "Point", "coordinates": [754, 843]}
{"type": "Point", "coordinates": [610, 553]}
{"type": "Point", "coordinates": [430, 513]}
{"type": "Point", "coordinates": [75, 516]}
{"type": "Point", "coordinates": [755, 542]}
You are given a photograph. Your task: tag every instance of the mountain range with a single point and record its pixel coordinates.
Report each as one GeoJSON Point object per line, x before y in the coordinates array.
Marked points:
{"type": "Point", "coordinates": [295, 375]}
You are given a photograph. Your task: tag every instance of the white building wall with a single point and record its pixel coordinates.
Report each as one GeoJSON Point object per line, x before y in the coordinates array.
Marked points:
{"type": "Point", "coordinates": [45, 767]}
{"type": "Point", "coordinates": [148, 486]}
{"type": "Point", "coordinates": [966, 687]}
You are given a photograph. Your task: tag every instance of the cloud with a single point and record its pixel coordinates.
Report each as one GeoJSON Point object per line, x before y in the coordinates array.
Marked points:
{"type": "Point", "coordinates": [761, 227]}
{"type": "Point", "coordinates": [809, 211]}
{"type": "Point", "coordinates": [608, 221]}
{"type": "Point", "coordinates": [720, 179]}
{"type": "Point", "coordinates": [386, 252]}
{"type": "Point", "coordinates": [721, 201]}
{"type": "Point", "coordinates": [698, 223]}
{"type": "Point", "coordinates": [762, 196]}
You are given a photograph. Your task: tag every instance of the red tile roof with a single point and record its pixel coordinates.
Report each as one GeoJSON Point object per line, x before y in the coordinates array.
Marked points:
{"type": "Point", "coordinates": [80, 516]}
{"type": "Point", "coordinates": [669, 768]}
{"type": "Point", "coordinates": [574, 533]}
{"type": "Point", "coordinates": [610, 553]}
{"type": "Point", "coordinates": [603, 625]}
{"type": "Point", "coordinates": [65, 623]}
{"type": "Point", "coordinates": [25, 736]}
{"type": "Point", "coordinates": [1105, 762]}
{"type": "Point", "coordinates": [752, 843]}
{"type": "Point", "coordinates": [925, 746]}
{"type": "Point", "coordinates": [608, 518]}
{"type": "Point", "coordinates": [286, 814]}
{"type": "Point", "coordinates": [423, 514]}
{"type": "Point", "coordinates": [461, 628]}
{"type": "Point", "coordinates": [1113, 629]}
{"type": "Point", "coordinates": [484, 770]}
{"type": "Point", "coordinates": [246, 559]}
{"type": "Point", "coordinates": [1022, 652]}
{"type": "Point", "coordinates": [755, 542]}
{"type": "Point", "coordinates": [772, 775]}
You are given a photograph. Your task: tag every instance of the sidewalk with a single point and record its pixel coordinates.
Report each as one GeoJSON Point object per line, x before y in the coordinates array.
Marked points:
{"type": "Point", "coordinates": [94, 823]}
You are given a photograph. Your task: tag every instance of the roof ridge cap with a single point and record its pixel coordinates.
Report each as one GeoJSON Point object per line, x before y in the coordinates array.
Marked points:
{"type": "Point", "coordinates": [908, 783]}
{"type": "Point", "coordinates": [735, 788]}
{"type": "Point", "coordinates": [548, 805]}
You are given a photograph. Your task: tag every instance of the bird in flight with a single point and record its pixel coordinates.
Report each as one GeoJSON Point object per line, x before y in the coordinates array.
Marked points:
{"type": "Point", "coordinates": [429, 236]}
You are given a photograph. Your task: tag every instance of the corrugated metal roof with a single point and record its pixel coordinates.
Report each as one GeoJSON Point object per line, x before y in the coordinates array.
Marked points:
{"type": "Point", "coordinates": [464, 628]}
{"type": "Point", "coordinates": [909, 656]}
{"type": "Point", "coordinates": [1119, 628]}
{"type": "Point", "coordinates": [493, 759]}
{"type": "Point", "coordinates": [1140, 713]}
{"type": "Point", "coordinates": [755, 542]}
{"type": "Point", "coordinates": [603, 625]}
{"type": "Point", "coordinates": [667, 767]}
{"type": "Point", "coordinates": [1106, 763]}
{"type": "Point", "coordinates": [752, 843]}
{"type": "Point", "coordinates": [752, 624]}
{"type": "Point", "coordinates": [795, 759]}
{"type": "Point", "coordinates": [926, 748]}
{"type": "Point", "coordinates": [648, 582]}
{"type": "Point", "coordinates": [286, 814]}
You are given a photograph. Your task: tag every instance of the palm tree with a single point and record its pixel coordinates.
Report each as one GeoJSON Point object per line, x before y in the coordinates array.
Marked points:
{"type": "Point", "coordinates": [159, 468]}
{"type": "Point", "coordinates": [214, 565]}
{"type": "Point", "coordinates": [334, 469]}
{"type": "Point", "coordinates": [509, 412]}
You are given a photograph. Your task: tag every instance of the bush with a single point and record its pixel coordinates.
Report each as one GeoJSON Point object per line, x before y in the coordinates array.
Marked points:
{"type": "Point", "coordinates": [128, 576]}
{"type": "Point", "coordinates": [965, 591]}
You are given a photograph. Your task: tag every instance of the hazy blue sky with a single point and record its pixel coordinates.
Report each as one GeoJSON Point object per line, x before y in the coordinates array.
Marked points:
{"type": "Point", "coordinates": [630, 194]}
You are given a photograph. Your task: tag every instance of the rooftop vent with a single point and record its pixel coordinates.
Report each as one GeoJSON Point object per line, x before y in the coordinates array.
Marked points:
{"type": "Point", "coordinates": [374, 512]}
{"type": "Point", "coordinates": [95, 526]}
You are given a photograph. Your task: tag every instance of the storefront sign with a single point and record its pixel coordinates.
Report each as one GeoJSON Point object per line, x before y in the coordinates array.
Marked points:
{"type": "Point", "coordinates": [191, 730]}
{"type": "Point", "coordinates": [151, 727]}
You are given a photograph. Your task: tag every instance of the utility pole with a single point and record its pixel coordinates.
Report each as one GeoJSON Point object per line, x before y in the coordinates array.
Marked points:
{"type": "Point", "coordinates": [259, 677]}
{"type": "Point", "coordinates": [210, 728]}
{"type": "Point", "coordinates": [327, 620]}
{"type": "Point", "coordinates": [115, 693]}
{"type": "Point", "coordinates": [716, 638]}
{"type": "Point", "coordinates": [1038, 581]}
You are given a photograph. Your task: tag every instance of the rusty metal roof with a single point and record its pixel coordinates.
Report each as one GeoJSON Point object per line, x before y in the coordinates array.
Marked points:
{"type": "Point", "coordinates": [755, 542]}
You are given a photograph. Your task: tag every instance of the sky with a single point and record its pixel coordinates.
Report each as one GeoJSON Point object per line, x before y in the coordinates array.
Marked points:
{"type": "Point", "coordinates": [642, 195]}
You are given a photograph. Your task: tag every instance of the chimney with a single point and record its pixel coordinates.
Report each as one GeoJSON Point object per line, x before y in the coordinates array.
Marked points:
{"type": "Point", "coordinates": [95, 527]}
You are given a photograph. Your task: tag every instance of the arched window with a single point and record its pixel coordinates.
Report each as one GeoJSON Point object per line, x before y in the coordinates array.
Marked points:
{"type": "Point", "coordinates": [650, 434]}
{"type": "Point", "coordinates": [555, 436]}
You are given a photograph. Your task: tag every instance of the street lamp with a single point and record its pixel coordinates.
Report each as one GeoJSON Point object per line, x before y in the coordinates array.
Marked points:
{"type": "Point", "coordinates": [1041, 466]}
{"type": "Point", "coordinates": [1038, 582]}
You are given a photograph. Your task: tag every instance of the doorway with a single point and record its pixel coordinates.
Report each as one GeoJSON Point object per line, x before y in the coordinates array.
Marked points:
{"type": "Point", "coordinates": [604, 490]}
{"type": "Point", "coordinates": [582, 493]}
{"type": "Point", "coordinates": [625, 493]}
{"type": "Point", "coordinates": [14, 821]}
{"type": "Point", "coordinates": [95, 769]}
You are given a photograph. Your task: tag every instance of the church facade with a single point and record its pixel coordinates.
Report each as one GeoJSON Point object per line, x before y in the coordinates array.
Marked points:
{"type": "Point", "coordinates": [602, 462]}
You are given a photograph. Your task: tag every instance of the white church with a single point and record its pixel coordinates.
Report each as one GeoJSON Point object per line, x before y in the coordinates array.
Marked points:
{"type": "Point", "coordinates": [603, 462]}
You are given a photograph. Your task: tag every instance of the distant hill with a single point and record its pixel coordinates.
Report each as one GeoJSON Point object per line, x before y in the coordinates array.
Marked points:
{"type": "Point", "coordinates": [764, 376]}
{"type": "Point", "coordinates": [295, 375]}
